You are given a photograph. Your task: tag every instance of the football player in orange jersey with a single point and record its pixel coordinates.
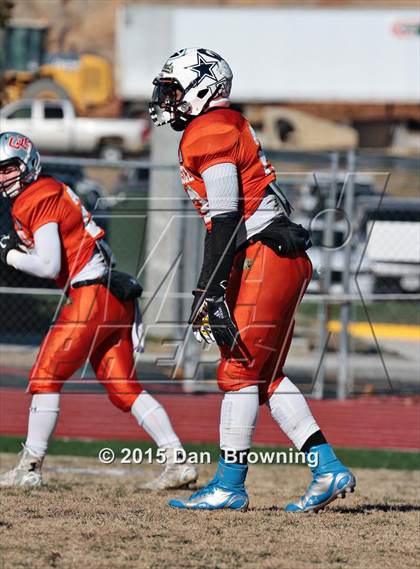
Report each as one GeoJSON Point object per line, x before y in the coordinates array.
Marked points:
{"type": "Point", "coordinates": [255, 272]}
{"type": "Point", "coordinates": [56, 238]}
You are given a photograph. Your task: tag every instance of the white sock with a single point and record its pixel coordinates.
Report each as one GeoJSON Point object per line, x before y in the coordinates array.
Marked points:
{"type": "Point", "coordinates": [238, 417]}
{"type": "Point", "coordinates": [43, 415]}
{"type": "Point", "coordinates": [292, 414]}
{"type": "Point", "coordinates": [152, 417]}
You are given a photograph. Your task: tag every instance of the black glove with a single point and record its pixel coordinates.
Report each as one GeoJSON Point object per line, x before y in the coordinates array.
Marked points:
{"type": "Point", "coordinates": [8, 241]}
{"type": "Point", "coordinates": [222, 326]}
{"type": "Point", "coordinates": [198, 308]}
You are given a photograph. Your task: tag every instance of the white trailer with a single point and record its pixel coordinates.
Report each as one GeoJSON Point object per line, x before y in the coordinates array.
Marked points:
{"type": "Point", "coordinates": [278, 54]}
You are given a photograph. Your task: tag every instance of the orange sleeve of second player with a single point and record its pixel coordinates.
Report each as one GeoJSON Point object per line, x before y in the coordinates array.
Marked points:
{"type": "Point", "coordinates": [213, 144]}
{"type": "Point", "coordinates": [46, 210]}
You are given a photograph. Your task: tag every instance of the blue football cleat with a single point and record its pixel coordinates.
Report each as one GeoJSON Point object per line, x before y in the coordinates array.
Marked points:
{"type": "Point", "coordinates": [213, 497]}
{"type": "Point", "coordinates": [331, 480]}
{"type": "Point", "coordinates": [225, 491]}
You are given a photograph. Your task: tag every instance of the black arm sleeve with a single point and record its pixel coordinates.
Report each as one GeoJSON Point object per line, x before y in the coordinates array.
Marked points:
{"type": "Point", "coordinates": [219, 250]}
{"type": "Point", "coordinates": [205, 273]}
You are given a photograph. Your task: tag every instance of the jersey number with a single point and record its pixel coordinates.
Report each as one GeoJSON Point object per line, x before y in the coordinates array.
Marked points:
{"type": "Point", "coordinates": [268, 169]}
{"type": "Point", "coordinates": [88, 223]}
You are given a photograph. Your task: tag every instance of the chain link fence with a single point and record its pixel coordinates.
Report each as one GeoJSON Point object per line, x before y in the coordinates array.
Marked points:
{"type": "Point", "coordinates": [358, 326]}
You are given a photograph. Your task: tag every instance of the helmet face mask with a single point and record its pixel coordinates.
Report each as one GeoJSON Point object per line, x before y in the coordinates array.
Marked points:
{"type": "Point", "coordinates": [16, 150]}
{"type": "Point", "coordinates": [10, 174]}
{"type": "Point", "coordinates": [166, 99]}
{"type": "Point", "coordinates": [191, 81]}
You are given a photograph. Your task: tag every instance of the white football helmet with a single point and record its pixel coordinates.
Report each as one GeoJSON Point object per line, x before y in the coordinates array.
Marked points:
{"type": "Point", "coordinates": [18, 150]}
{"type": "Point", "coordinates": [191, 81]}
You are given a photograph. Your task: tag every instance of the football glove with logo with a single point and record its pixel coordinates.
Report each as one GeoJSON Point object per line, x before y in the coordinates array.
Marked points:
{"type": "Point", "coordinates": [199, 318]}
{"type": "Point", "coordinates": [222, 326]}
{"type": "Point", "coordinates": [198, 308]}
{"type": "Point", "coordinates": [202, 331]}
{"type": "Point", "coordinates": [8, 241]}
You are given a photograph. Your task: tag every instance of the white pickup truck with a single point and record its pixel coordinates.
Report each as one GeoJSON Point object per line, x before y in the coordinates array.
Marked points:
{"type": "Point", "coordinates": [54, 127]}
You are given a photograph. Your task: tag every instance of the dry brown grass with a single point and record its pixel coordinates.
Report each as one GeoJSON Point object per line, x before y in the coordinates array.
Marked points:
{"type": "Point", "coordinates": [95, 521]}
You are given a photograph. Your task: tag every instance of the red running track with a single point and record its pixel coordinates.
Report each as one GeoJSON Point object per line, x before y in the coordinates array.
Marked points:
{"type": "Point", "coordinates": [374, 422]}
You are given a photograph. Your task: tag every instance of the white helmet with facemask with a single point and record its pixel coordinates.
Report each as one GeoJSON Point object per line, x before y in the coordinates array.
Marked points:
{"type": "Point", "coordinates": [18, 150]}
{"type": "Point", "coordinates": [191, 81]}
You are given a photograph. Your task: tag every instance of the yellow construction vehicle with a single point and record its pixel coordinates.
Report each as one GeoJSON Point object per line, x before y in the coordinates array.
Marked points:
{"type": "Point", "coordinates": [28, 71]}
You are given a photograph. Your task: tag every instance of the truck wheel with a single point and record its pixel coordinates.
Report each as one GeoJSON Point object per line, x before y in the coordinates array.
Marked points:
{"type": "Point", "coordinates": [45, 89]}
{"type": "Point", "coordinates": [110, 152]}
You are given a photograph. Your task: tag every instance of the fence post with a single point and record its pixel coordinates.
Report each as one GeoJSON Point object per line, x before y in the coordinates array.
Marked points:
{"type": "Point", "coordinates": [343, 359]}
{"type": "Point", "coordinates": [192, 245]}
{"type": "Point", "coordinates": [325, 277]}
{"type": "Point", "coordinates": [165, 192]}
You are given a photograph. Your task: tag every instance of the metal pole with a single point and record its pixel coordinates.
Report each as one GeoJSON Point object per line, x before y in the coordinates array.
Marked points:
{"type": "Point", "coordinates": [325, 277]}
{"type": "Point", "coordinates": [343, 368]}
{"type": "Point", "coordinates": [163, 228]}
{"type": "Point", "coordinates": [193, 230]}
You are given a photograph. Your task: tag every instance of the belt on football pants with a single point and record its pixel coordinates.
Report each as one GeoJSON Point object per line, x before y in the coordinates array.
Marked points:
{"type": "Point", "coordinates": [90, 282]}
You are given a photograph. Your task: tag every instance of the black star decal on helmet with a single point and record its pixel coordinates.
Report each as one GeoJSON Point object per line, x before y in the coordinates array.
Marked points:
{"type": "Point", "coordinates": [203, 69]}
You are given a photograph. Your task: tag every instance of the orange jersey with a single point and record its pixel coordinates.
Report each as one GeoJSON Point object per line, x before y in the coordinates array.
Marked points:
{"type": "Point", "coordinates": [219, 136]}
{"type": "Point", "coordinates": [48, 200]}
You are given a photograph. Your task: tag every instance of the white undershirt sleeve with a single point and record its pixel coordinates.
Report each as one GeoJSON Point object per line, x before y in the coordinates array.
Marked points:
{"type": "Point", "coordinates": [45, 259]}
{"type": "Point", "coordinates": [222, 188]}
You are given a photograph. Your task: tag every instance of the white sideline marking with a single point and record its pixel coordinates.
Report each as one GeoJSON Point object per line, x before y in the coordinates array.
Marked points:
{"type": "Point", "coordinates": [95, 471]}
